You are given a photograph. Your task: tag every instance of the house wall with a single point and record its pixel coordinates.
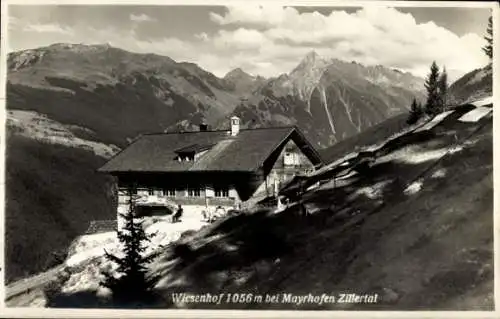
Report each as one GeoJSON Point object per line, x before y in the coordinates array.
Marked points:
{"type": "Point", "coordinates": [290, 162]}
{"type": "Point", "coordinates": [154, 196]}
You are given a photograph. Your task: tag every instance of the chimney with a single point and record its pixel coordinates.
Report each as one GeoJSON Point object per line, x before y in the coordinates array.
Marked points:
{"type": "Point", "coordinates": [203, 125]}
{"type": "Point", "coordinates": [235, 125]}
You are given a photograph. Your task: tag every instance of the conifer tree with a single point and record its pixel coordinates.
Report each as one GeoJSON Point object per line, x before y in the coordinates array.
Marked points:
{"type": "Point", "coordinates": [488, 48]}
{"type": "Point", "coordinates": [431, 85]}
{"type": "Point", "coordinates": [443, 89]}
{"type": "Point", "coordinates": [131, 286]}
{"type": "Point", "coordinates": [415, 112]}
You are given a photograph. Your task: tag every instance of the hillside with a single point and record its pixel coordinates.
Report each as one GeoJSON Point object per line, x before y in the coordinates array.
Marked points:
{"type": "Point", "coordinates": [473, 85]}
{"type": "Point", "coordinates": [52, 193]}
{"type": "Point", "coordinates": [39, 127]}
{"type": "Point", "coordinates": [371, 136]}
{"type": "Point", "coordinates": [414, 226]}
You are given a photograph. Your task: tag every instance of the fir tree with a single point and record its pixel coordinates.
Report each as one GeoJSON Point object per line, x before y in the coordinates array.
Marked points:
{"type": "Point", "coordinates": [488, 48]}
{"type": "Point", "coordinates": [431, 85]}
{"type": "Point", "coordinates": [443, 89]}
{"type": "Point", "coordinates": [132, 286]}
{"type": "Point", "coordinates": [420, 108]}
{"type": "Point", "coordinates": [415, 112]}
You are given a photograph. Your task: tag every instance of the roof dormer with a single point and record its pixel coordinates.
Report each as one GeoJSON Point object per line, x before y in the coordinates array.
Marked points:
{"type": "Point", "coordinates": [191, 152]}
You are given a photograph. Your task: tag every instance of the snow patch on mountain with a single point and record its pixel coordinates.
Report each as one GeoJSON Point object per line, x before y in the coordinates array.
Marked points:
{"type": "Point", "coordinates": [325, 105]}
{"type": "Point", "coordinates": [344, 100]}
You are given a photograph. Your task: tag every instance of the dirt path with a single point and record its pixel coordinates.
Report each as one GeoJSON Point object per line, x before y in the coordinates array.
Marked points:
{"type": "Point", "coordinates": [27, 285]}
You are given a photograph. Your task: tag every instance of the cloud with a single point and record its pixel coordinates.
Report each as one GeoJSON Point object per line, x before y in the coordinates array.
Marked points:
{"type": "Point", "coordinates": [255, 15]}
{"type": "Point", "coordinates": [141, 18]}
{"type": "Point", "coordinates": [203, 36]}
{"type": "Point", "coordinates": [13, 23]}
{"type": "Point", "coordinates": [48, 28]}
{"type": "Point", "coordinates": [240, 39]}
{"type": "Point", "coordinates": [172, 47]}
{"type": "Point", "coordinates": [270, 40]}
{"type": "Point", "coordinates": [16, 24]}
{"type": "Point", "coordinates": [372, 35]}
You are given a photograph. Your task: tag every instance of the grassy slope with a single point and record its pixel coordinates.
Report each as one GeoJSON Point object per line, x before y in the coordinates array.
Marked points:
{"type": "Point", "coordinates": [429, 250]}
{"type": "Point", "coordinates": [46, 210]}
{"type": "Point", "coordinates": [370, 136]}
{"type": "Point", "coordinates": [433, 249]}
{"type": "Point", "coordinates": [473, 85]}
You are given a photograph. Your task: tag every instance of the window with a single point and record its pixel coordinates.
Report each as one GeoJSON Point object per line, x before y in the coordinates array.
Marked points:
{"type": "Point", "coordinates": [291, 159]}
{"type": "Point", "coordinates": [151, 192]}
{"type": "Point", "coordinates": [186, 158]}
{"type": "Point", "coordinates": [194, 192]}
{"type": "Point", "coordinates": [168, 192]}
{"type": "Point", "coordinates": [192, 152]}
{"type": "Point", "coordinates": [221, 192]}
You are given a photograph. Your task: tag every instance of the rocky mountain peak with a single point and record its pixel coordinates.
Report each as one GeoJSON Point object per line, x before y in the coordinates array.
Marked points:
{"type": "Point", "coordinates": [311, 61]}
{"type": "Point", "coordinates": [312, 56]}
{"type": "Point", "coordinates": [237, 73]}
{"type": "Point", "coordinates": [305, 77]}
{"type": "Point", "coordinates": [242, 82]}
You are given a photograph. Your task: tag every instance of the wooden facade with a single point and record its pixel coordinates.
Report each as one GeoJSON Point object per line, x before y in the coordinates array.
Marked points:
{"type": "Point", "coordinates": [197, 191]}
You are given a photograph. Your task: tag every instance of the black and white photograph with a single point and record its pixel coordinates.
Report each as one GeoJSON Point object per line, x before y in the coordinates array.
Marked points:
{"type": "Point", "coordinates": [308, 156]}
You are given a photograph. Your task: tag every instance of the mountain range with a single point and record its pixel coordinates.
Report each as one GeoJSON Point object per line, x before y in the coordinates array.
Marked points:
{"type": "Point", "coordinates": [119, 94]}
{"type": "Point", "coordinates": [330, 99]}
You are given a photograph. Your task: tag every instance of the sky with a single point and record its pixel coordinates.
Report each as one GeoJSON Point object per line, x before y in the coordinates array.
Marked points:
{"type": "Point", "coordinates": [265, 40]}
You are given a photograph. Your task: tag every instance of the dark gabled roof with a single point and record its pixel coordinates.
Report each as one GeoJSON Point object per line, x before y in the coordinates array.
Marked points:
{"type": "Point", "coordinates": [246, 151]}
